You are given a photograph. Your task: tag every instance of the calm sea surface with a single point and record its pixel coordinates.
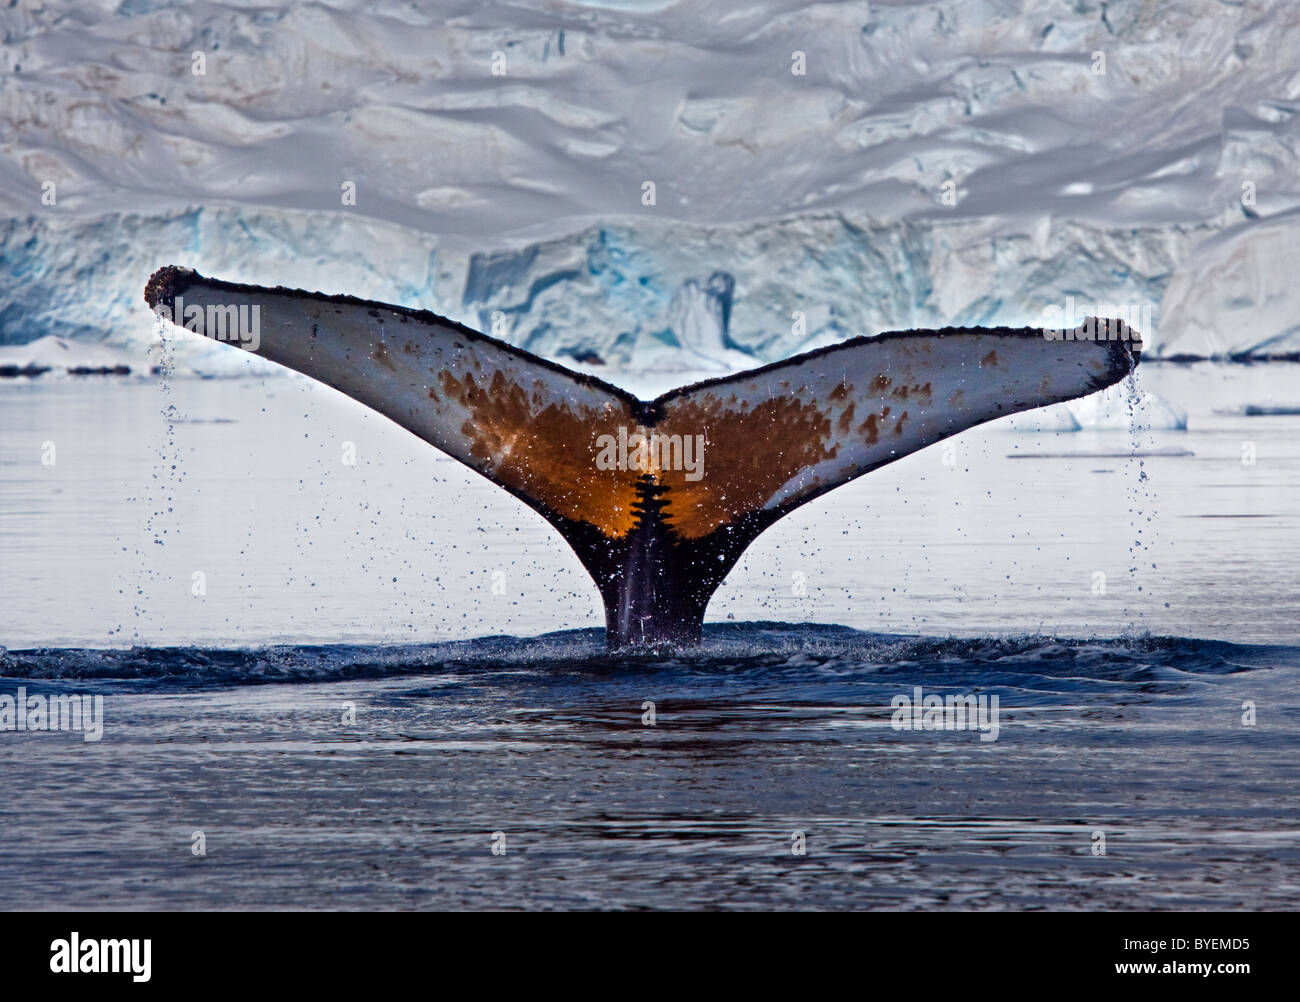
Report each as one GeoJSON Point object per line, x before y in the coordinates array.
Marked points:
{"type": "Point", "coordinates": [356, 679]}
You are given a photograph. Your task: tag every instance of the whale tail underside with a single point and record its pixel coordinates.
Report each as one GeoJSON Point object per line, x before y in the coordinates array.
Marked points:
{"type": "Point", "coordinates": [657, 498]}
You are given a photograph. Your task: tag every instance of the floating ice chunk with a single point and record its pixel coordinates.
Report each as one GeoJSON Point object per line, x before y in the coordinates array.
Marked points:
{"type": "Point", "coordinates": [1165, 452]}
{"type": "Point", "coordinates": [1121, 407]}
{"type": "Point", "coordinates": [61, 355]}
{"type": "Point", "coordinates": [1261, 410]}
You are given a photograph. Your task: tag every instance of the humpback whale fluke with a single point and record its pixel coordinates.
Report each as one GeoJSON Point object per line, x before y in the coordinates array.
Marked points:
{"type": "Point", "coordinates": [711, 465]}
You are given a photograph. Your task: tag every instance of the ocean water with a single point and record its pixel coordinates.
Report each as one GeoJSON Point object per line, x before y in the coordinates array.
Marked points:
{"type": "Point", "coordinates": [356, 680]}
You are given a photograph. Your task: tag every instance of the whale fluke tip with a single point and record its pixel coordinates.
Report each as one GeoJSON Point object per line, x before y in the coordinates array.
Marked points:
{"type": "Point", "coordinates": [165, 283]}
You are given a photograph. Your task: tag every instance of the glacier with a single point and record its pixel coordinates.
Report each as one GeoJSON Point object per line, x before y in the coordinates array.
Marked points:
{"type": "Point", "coordinates": [629, 296]}
{"type": "Point", "coordinates": [668, 187]}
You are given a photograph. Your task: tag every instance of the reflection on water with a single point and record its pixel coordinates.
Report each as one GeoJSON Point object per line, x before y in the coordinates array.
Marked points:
{"type": "Point", "coordinates": [768, 737]}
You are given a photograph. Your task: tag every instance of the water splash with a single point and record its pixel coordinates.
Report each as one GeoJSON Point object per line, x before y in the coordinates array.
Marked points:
{"type": "Point", "coordinates": [165, 478]}
{"type": "Point", "coordinates": [765, 653]}
{"type": "Point", "coordinates": [1140, 494]}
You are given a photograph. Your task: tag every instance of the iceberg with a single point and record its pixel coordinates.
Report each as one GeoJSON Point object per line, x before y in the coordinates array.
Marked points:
{"type": "Point", "coordinates": [1124, 407]}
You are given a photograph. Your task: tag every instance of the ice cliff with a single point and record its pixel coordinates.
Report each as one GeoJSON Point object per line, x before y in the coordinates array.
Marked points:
{"type": "Point", "coordinates": [689, 185]}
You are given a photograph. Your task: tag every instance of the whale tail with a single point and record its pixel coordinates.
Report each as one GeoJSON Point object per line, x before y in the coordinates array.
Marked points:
{"type": "Point", "coordinates": [657, 498]}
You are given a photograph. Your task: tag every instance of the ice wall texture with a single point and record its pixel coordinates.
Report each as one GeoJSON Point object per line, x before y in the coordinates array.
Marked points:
{"type": "Point", "coordinates": [516, 198]}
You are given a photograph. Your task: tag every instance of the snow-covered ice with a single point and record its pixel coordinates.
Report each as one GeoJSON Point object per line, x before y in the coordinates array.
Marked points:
{"type": "Point", "coordinates": [942, 163]}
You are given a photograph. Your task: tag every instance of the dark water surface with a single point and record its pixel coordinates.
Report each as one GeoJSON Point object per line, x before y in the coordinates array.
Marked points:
{"type": "Point", "coordinates": [766, 731]}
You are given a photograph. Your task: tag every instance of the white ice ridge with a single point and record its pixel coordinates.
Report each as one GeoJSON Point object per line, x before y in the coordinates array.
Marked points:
{"type": "Point", "coordinates": [942, 163]}
{"type": "Point", "coordinates": [1123, 407]}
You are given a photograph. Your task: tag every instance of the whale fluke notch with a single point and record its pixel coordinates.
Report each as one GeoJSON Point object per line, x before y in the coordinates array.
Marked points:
{"type": "Point", "coordinates": [659, 537]}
